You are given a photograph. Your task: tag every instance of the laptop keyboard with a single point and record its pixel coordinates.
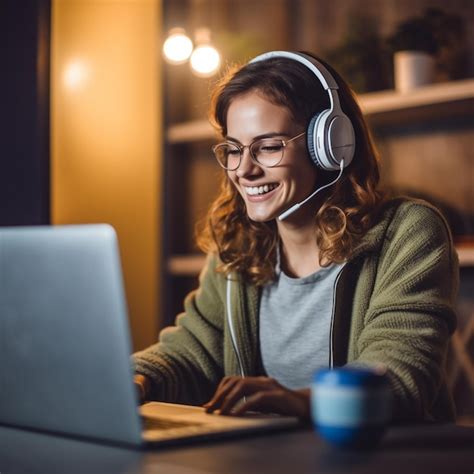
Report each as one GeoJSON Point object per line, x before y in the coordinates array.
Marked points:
{"type": "Point", "coordinates": [154, 423]}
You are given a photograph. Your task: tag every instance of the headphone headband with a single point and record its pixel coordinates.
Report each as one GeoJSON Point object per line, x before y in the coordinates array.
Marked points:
{"type": "Point", "coordinates": [314, 65]}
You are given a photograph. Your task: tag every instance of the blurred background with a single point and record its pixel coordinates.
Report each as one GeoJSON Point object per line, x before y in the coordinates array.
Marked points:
{"type": "Point", "coordinates": [103, 118]}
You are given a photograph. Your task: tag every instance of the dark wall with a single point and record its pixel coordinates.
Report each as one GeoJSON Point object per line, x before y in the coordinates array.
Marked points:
{"type": "Point", "coordinates": [24, 111]}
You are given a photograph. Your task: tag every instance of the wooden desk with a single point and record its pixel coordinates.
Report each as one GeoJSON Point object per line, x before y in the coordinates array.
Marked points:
{"type": "Point", "coordinates": [446, 449]}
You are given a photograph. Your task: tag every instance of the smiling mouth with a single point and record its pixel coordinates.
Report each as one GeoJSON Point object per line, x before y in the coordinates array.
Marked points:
{"type": "Point", "coordinates": [260, 190]}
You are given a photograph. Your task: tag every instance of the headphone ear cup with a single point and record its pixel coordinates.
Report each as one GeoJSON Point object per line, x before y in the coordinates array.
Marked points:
{"type": "Point", "coordinates": [311, 137]}
{"type": "Point", "coordinates": [330, 138]}
{"type": "Point", "coordinates": [340, 139]}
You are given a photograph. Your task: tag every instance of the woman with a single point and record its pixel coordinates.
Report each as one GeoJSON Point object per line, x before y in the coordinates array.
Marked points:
{"type": "Point", "coordinates": [309, 265]}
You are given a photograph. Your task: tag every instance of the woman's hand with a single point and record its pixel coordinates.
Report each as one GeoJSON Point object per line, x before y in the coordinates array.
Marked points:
{"type": "Point", "coordinates": [142, 386]}
{"type": "Point", "coordinates": [261, 394]}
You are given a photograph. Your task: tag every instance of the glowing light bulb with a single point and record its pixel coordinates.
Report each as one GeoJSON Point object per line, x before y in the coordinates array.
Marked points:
{"type": "Point", "coordinates": [205, 60]}
{"type": "Point", "coordinates": [178, 47]}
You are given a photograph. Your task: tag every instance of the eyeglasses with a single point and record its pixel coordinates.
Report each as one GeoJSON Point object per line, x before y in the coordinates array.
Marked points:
{"type": "Point", "coordinates": [267, 152]}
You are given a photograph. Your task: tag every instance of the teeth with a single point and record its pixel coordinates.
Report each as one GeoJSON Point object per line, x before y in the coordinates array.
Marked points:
{"type": "Point", "coordinates": [255, 190]}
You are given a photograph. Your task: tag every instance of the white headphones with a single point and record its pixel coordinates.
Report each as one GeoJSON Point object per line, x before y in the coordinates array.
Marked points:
{"type": "Point", "coordinates": [330, 134]}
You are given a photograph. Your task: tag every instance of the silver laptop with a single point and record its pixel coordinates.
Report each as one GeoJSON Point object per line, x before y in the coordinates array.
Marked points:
{"type": "Point", "coordinates": [65, 345]}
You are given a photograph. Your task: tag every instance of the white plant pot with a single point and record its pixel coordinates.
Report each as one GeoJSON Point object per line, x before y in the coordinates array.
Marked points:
{"type": "Point", "coordinates": [413, 69]}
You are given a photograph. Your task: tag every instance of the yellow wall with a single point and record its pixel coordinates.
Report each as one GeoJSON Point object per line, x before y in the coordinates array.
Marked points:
{"type": "Point", "coordinates": [106, 135]}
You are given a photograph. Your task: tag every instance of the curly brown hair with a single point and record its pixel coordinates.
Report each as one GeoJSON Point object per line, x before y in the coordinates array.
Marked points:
{"type": "Point", "coordinates": [349, 208]}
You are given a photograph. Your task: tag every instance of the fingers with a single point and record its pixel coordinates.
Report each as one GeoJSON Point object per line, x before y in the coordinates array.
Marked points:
{"type": "Point", "coordinates": [232, 389]}
{"type": "Point", "coordinates": [265, 402]}
{"type": "Point", "coordinates": [142, 387]}
{"type": "Point", "coordinates": [261, 394]}
{"type": "Point", "coordinates": [221, 393]}
{"type": "Point", "coordinates": [281, 401]}
{"type": "Point", "coordinates": [239, 390]}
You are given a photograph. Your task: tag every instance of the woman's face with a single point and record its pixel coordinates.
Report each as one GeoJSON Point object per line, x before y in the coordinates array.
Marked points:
{"type": "Point", "coordinates": [252, 116]}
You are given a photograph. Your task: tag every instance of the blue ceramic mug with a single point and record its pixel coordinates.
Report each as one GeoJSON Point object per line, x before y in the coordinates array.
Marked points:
{"type": "Point", "coordinates": [350, 407]}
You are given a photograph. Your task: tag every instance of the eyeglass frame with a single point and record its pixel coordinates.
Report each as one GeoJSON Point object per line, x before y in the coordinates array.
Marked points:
{"type": "Point", "coordinates": [242, 148]}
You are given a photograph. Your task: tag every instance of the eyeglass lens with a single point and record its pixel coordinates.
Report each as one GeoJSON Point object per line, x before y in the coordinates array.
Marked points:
{"type": "Point", "coordinates": [268, 152]}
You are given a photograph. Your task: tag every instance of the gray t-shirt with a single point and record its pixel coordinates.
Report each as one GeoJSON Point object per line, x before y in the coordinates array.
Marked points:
{"type": "Point", "coordinates": [295, 320]}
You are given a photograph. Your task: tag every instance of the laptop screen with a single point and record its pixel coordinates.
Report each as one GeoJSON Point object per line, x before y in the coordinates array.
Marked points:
{"type": "Point", "coordinates": [64, 339]}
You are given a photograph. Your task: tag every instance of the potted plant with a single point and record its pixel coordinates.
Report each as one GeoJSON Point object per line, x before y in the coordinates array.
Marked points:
{"type": "Point", "coordinates": [452, 54]}
{"type": "Point", "coordinates": [360, 55]}
{"type": "Point", "coordinates": [414, 47]}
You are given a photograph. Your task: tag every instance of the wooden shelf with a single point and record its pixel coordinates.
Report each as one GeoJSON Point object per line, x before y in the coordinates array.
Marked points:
{"type": "Point", "coordinates": [191, 265]}
{"type": "Point", "coordinates": [186, 265]}
{"type": "Point", "coordinates": [442, 93]}
{"type": "Point", "coordinates": [466, 255]}
{"type": "Point", "coordinates": [380, 107]}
